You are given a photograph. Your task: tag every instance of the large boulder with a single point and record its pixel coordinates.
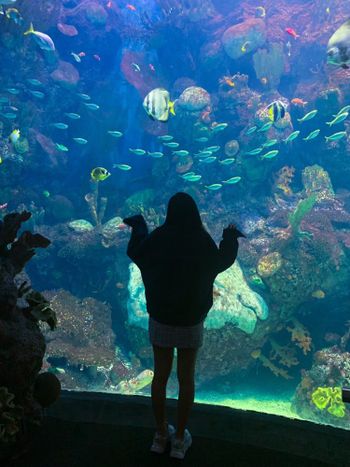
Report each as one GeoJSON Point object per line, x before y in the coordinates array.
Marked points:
{"type": "Point", "coordinates": [65, 75]}
{"type": "Point", "coordinates": [251, 33]}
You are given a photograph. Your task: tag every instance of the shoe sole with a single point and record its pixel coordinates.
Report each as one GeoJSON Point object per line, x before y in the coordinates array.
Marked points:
{"type": "Point", "coordinates": [178, 454]}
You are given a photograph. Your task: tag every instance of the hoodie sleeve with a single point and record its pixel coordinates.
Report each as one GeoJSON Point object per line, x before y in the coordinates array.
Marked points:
{"type": "Point", "coordinates": [228, 250]}
{"type": "Point", "coordinates": [139, 235]}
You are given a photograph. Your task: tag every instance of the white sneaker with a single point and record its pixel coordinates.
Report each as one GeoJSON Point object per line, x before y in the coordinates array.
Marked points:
{"type": "Point", "coordinates": [160, 442]}
{"type": "Point", "coordinates": [179, 447]}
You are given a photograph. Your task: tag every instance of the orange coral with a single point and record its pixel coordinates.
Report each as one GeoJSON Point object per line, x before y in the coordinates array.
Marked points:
{"type": "Point", "coordinates": [300, 335]}
{"type": "Point", "coordinates": [284, 353]}
{"type": "Point", "coordinates": [268, 364]}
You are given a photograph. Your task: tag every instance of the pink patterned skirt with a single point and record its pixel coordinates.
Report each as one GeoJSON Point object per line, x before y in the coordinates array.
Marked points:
{"type": "Point", "coordinates": [182, 337]}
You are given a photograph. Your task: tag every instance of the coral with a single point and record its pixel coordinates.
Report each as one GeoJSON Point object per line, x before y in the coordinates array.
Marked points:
{"type": "Point", "coordinates": [284, 353]}
{"type": "Point", "coordinates": [141, 199]}
{"type": "Point", "coordinates": [96, 14]}
{"type": "Point", "coordinates": [330, 397]}
{"type": "Point", "coordinates": [97, 206]}
{"type": "Point", "coordinates": [269, 64]}
{"type": "Point", "coordinates": [283, 180]}
{"type": "Point", "coordinates": [303, 208]}
{"type": "Point", "coordinates": [194, 99]}
{"type": "Point", "coordinates": [250, 32]}
{"type": "Point", "coordinates": [66, 75]}
{"type": "Point", "coordinates": [300, 335]}
{"type": "Point", "coordinates": [316, 181]}
{"type": "Point", "coordinates": [257, 355]}
{"type": "Point", "coordinates": [133, 385]}
{"type": "Point", "coordinates": [269, 264]}
{"type": "Point", "coordinates": [234, 302]}
{"type": "Point", "coordinates": [81, 225]}
{"type": "Point", "coordinates": [10, 416]}
{"type": "Point", "coordinates": [84, 333]}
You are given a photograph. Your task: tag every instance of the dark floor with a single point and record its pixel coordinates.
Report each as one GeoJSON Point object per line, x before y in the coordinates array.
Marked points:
{"type": "Point", "coordinates": [61, 443]}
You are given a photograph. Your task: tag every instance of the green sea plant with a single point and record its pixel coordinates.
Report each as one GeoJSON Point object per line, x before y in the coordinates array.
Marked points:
{"type": "Point", "coordinates": [21, 145]}
{"type": "Point", "coordinates": [330, 397]}
{"type": "Point", "coordinates": [303, 207]}
{"type": "Point", "coordinates": [97, 206]}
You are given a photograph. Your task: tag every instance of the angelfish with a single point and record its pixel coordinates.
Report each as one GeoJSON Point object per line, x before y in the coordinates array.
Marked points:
{"type": "Point", "coordinates": [157, 104]}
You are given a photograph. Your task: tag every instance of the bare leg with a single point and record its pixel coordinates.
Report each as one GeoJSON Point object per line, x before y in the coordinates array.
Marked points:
{"type": "Point", "coordinates": [163, 361]}
{"type": "Point", "coordinates": [186, 362]}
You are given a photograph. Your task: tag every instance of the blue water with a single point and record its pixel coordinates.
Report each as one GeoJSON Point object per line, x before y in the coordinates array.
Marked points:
{"type": "Point", "coordinates": [223, 64]}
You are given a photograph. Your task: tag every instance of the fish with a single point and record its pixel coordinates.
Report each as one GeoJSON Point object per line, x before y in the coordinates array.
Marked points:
{"type": "Point", "coordinates": [298, 101]}
{"type": "Point", "coordinates": [151, 67]}
{"type": "Point", "coordinates": [338, 119]}
{"type": "Point", "coordinates": [343, 110]}
{"type": "Point", "coordinates": [336, 136]}
{"type": "Point", "coordinates": [158, 105]}
{"type": "Point", "coordinates": [181, 153]}
{"type": "Point", "coordinates": [212, 148]}
{"type": "Point", "coordinates": [4, 100]}
{"type": "Point", "coordinates": [60, 126]}
{"type": "Point", "coordinates": [276, 110]}
{"type": "Point", "coordinates": [312, 135]}
{"type": "Point", "coordinates": [34, 82]}
{"type": "Point", "coordinates": [81, 54]}
{"type": "Point", "coordinates": [124, 167]}
{"type": "Point", "coordinates": [187, 174]}
{"type": "Point", "coordinates": [255, 151]}
{"type": "Point", "coordinates": [84, 97]}
{"type": "Point", "coordinates": [14, 136]}
{"type": "Point", "coordinates": [203, 153]}
{"type": "Point", "coordinates": [61, 147]}
{"type": "Point", "coordinates": [92, 106]}
{"type": "Point", "coordinates": [193, 178]}
{"type": "Point", "coordinates": [338, 47]}
{"type": "Point", "coordinates": [227, 80]}
{"type": "Point", "coordinates": [269, 143]}
{"type": "Point", "coordinates": [80, 140]}
{"type": "Point", "coordinates": [172, 145]}
{"type": "Point", "coordinates": [208, 160]}
{"type": "Point", "coordinates": [292, 136]}
{"type": "Point", "coordinates": [289, 48]}
{"type": "Point", "coordinates": [37, 94]}
{"type": "Point", "coordinates": [292, 32]}
{"type": "Point", "coordinates": [308, 116]}
{"type": "Point", "coordinates": [228, 161]}
{"type": "Point", "coordinates": [7, 2]}
{"type": "Point", "coordinates": [14, 15]}
{"type": "Point", "coordinates": [270, 154]}
{"type": "Point", "coordinates": [130, 7]}
{"type": "Point", "coordinates": [98, 174]}
{"type": "Point", "coordinates": [43, 40]}
{"type": "Point", "coordinates": [251, 130]}
{"type": "Point", "coordinates": [232, 180]}
{"type": "Point", "coordinates": [214, 186]}
{"type": "Point", "coordinates": [115, 133]}
{"type": "Point", "coordinates": [72, 116]}
{"type": "Point", "coordinates": [260, 12]}
{"type": "Point", "coordinates": [265, 127]}
{"type": "Point", "coordinates": [46, 193]}
{"type": "Point", "coordinates": [202, 139]}
{"type": "Point", "coordinates": [245, 46]}
{"type": "Point", "coordinates": [9, 115]}
{"type": "Point", "coordinates": [136, 67]}
{"type": "Point", "coordinates": [97, 57]}
{"type": "Point", "coordinates": [165, 138]}
{"type": "Point", "coordinates": [138, 152]}
{"type": "Point", "coordinates": [318, 294]}
{"type": "Point", "coordinates": [76, 57]}
{"type": "Point", "coordinates": [156, 154]}
{"type": "Point", "coordinates": [13, 91]}
{"type": "Point", "coordinates": [219, 127]}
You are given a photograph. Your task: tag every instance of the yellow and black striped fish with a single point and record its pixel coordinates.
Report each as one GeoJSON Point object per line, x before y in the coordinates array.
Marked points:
{"type": "Point", "coordinates": [276, 110]}
{"type": "Point", "coordinates": [157, 104]}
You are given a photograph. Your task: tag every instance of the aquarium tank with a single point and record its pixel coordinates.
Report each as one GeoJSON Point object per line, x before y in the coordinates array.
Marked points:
{"type": "Point", "coordinates": [109, 107]}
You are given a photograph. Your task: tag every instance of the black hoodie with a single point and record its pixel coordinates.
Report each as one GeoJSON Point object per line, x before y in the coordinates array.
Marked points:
{"type": "Point", "coordinates": [178, 267]}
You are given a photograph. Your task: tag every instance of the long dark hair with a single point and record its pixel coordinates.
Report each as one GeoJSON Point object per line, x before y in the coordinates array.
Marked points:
{"type": "Point", "coordinates": [183, 213]}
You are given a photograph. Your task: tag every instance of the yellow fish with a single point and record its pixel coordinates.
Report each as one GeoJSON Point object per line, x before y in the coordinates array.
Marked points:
{"type": "Point", "coordinates": [245, 46]}
{"type": "Point", "coordinates": [14, 136]}
{"type": "Point", "coordinates": [98, 174]}
{"type": "Point", "coordinates": [318, 294]}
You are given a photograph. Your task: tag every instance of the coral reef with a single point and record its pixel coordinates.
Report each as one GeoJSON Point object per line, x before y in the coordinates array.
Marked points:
{"type": "Point", "coordinates": [269, 64]}
{"type": "Point", "coordinates": [251, 32]}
